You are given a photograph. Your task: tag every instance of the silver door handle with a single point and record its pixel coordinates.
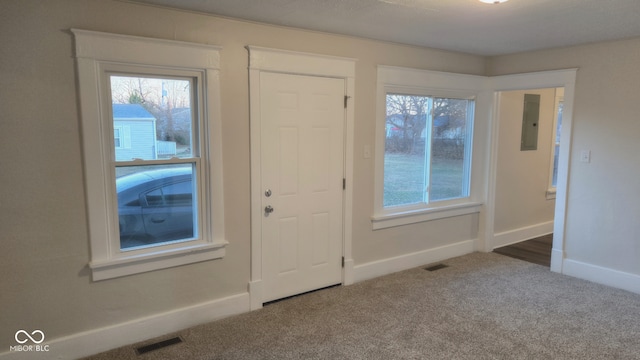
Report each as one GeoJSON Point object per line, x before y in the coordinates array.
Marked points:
{"type": "Point", "coordinates": [268, 209]}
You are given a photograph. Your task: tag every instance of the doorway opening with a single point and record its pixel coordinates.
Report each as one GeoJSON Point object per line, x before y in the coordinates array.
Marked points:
{"type": "Point", "coordinates": [530, 128]}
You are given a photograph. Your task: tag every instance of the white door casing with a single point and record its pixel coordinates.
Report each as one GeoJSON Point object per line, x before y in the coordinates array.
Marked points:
{"type": "Point", "coordinates": [264, 61]}
{"type": "Point", "coordinates": [302, 170]}
{"type": "Point", "coordinates": [537, 80]}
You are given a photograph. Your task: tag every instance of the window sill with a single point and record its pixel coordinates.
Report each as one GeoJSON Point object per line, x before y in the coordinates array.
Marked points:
{"type": "Point", "coordinates": [422, 215]}
{"type": "Point", "coordinates": [162, 259]}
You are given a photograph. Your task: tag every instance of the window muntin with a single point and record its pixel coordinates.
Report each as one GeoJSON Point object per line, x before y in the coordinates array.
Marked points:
{"type": "Point", "coordinates": [427, 149]}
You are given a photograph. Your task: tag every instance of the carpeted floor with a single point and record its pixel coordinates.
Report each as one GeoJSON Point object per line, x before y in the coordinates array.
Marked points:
{"type": "Point", "coordinates": [482, 306]}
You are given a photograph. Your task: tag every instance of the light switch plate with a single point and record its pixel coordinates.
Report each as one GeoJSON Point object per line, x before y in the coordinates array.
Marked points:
{"type": "Point", "coordinates": [585, 156]}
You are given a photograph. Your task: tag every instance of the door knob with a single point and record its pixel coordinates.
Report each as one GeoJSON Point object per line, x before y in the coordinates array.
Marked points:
{"type": "Point", "coordinates": [268, 210]}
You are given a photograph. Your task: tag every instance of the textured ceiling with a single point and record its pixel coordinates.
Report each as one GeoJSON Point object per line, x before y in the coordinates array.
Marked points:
{"type": "Point", "coordinates": [467, 26]}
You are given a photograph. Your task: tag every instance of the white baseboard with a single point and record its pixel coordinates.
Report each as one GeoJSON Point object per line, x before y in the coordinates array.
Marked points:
{"type": "Point", "coordinates": [525, 233]}
{"type": "Point", "coordinates": [98, 340]}
{"type": "Point", "coordinates": [404, 262]}
{"type": "Point", "coordinates": [602, 275]}
{"type": "Point", "coordinates": [255, 293]}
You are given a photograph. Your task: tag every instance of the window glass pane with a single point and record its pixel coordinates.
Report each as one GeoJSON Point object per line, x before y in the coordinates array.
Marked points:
{"type": "Point", "coordinates": [405, 162]}
{"type": "Point", "coordinates": [156, 116]}
{"type": "Point", "coordinates": [155, 204]}
{"type": "Point", "coordinates": [448, 152]}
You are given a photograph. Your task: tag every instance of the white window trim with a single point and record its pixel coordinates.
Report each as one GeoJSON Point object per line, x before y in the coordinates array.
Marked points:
{"type": "Point", "coordinates": [406, 217]}
{"type": "Point", "coordinates": [430, 83]}
{"type": "Point", "coordinates": [94, 52]}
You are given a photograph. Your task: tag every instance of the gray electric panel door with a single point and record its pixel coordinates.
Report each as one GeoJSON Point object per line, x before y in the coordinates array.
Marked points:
{"type": "Point", "coordinates": [530, 116]}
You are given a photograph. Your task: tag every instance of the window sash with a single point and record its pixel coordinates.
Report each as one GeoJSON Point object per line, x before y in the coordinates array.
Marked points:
{"type": "Point", "coordinates": [466, 156]}
{"type": "Point", "coordinates": [199, 193]}
{"type": "Point", "coordinates": [201, 232]}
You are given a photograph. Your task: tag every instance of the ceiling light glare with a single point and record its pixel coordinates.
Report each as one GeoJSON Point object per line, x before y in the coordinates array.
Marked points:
{"type": "Point", "coordinates": [493, 1]}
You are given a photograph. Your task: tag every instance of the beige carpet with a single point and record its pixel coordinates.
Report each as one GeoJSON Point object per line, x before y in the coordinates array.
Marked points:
{"type": "Point", "coordinates": [482, 306]}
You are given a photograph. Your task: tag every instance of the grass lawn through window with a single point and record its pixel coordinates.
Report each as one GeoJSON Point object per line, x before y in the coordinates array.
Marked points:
{"type": "Point", "coordinates": [405, 180]}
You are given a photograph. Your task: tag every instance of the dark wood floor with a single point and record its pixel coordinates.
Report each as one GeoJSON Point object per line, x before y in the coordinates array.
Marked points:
{"type": "Point", "coordinates": [537, 251]}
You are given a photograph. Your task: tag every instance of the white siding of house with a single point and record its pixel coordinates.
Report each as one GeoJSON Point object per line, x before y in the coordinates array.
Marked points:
{"type": "Point", "coordinates": [138, 139]}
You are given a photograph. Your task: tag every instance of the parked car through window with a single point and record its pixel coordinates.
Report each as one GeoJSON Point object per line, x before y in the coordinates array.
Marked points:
{"type": "Point", "coordinates": [156, 206]}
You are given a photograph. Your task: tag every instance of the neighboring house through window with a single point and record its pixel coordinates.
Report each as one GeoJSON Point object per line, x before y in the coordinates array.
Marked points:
{"type": "Point", "coordinates": [128, 118]}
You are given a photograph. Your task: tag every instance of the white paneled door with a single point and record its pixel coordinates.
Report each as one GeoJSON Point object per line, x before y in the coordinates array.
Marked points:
{"type": "Point", "coordinates": [302, 169]}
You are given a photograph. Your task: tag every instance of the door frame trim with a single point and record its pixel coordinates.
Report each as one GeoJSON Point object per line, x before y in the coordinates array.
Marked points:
{"type": "Point", "coordinates": [295, 63]}
{"type": "Point", "coordinates": [536, 80]}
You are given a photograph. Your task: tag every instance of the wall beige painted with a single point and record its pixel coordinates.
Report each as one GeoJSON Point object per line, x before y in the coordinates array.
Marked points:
{"type": "Point", "coordinates": [523, 176]}
{"type": "Point", "coordinates": [45, 280]}
{"type": "Point", "coordinates": [602, 227]}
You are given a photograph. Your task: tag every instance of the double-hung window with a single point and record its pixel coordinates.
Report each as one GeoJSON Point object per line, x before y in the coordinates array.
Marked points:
{"type": "Point", "coordinates": [424, 145]}
{"type": "Point", "coordinates": [151, 136]}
